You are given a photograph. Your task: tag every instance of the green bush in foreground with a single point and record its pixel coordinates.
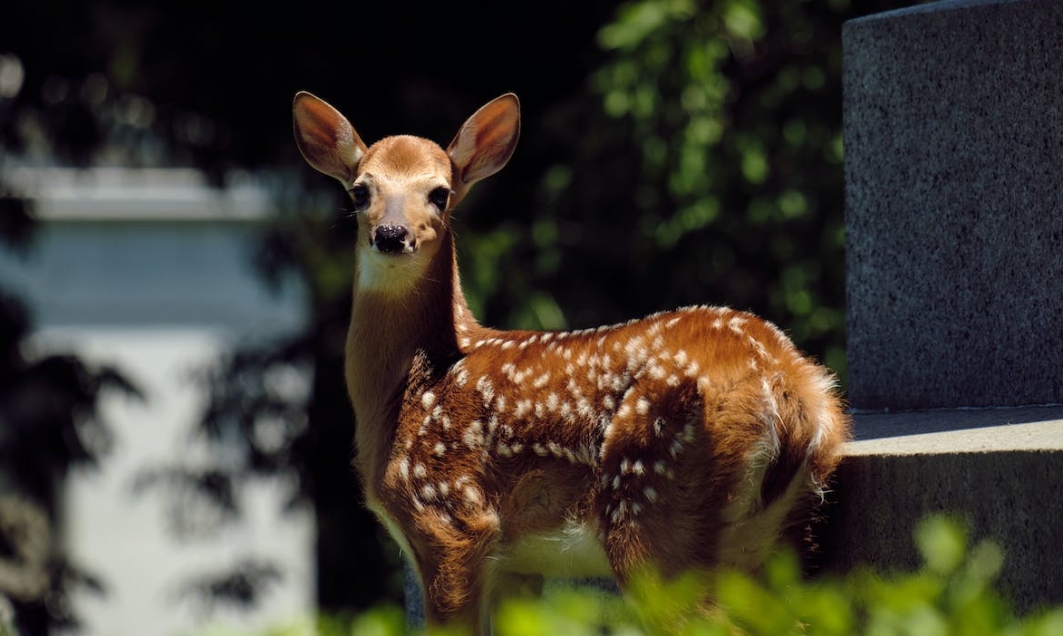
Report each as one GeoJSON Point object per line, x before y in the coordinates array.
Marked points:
{"type": "Point", "coordinates": [952, 593]}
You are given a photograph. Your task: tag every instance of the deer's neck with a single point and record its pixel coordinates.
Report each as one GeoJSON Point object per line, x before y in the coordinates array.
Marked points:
{"type": "Point", "coordinates": [387, 332]}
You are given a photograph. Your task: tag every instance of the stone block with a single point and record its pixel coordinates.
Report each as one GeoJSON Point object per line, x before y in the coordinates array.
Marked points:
{"type": "Point", "coordinates": [998, 470]}
{"type": "Point", "coordinates": [954, 205]}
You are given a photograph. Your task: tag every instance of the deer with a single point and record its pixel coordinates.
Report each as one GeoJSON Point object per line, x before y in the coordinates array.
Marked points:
{"type": "Point", "coordinates": [694, 438]}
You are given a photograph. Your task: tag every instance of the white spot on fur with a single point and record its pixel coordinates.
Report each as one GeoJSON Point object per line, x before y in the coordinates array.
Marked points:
{"type": "Point", "coordinates": [474, 435]}
{"type": "Point", "coordinates": [637, 353]}
{"type": "Point", "coordinates": [486, 389]}
{"type": "Point", "coordinates": [552, 402]}
{"type": "Point", "coordinates": [664, 470]}
{"type": "Point", "coordinates": [472, 495]}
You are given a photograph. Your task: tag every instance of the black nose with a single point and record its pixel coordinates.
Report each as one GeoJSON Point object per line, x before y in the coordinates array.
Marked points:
{"type": "Point", "coordinates": [390, 238]}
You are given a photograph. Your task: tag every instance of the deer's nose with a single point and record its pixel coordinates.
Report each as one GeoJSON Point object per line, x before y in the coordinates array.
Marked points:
{"type": "Point", "coordinates": [390, 239]}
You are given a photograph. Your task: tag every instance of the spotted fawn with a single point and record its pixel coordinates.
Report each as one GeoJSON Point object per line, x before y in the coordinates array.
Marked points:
{"type": "Point", "coordinates": [693, 438]}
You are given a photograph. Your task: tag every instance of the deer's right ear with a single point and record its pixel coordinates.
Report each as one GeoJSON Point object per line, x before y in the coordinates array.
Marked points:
{"type": "Point", "coordinates": [327, 140]}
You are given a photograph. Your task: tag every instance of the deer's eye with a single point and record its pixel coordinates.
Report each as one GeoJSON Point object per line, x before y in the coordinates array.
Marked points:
{"type": "Point", "coordinates": [360, 196]}
{"type": "Point", "coordinates": [438, 197]}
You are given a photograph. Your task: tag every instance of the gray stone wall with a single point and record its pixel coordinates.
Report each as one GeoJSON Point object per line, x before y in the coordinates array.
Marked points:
{"type": "Point", "coordinates": [954, 205]}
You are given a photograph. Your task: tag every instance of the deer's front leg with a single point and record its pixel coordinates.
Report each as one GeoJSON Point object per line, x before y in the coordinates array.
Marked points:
{"type": "Point", "coordinates": [453, 559]}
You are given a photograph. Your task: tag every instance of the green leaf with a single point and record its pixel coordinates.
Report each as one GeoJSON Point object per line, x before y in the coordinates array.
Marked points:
{"type": "Point", "coordinates": [942, 541]}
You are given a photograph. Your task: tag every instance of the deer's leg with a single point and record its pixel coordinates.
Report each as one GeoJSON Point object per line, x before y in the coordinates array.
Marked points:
{"type": "Point", "coordinates": [645, 517]}
{"type": "Point", "coordinates": [456, 570]}
{"type": "Point", "coordinates": [660, 489]}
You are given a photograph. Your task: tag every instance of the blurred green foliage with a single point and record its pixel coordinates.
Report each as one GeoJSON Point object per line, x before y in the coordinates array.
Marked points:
{"type": "Point", "coordinates": [953, 593]}
{"type": "Point", "coordinates": [733, 112]}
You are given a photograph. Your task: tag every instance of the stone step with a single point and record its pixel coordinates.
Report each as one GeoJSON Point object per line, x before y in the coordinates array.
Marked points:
{"type": "Point", "coordinates": [1000, 470]}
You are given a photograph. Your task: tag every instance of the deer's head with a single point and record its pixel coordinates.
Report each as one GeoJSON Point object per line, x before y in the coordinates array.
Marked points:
{"type": "Point", "coordinates": [403, 188]}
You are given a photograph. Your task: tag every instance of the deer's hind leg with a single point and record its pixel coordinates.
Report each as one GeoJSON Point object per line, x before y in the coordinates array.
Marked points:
{"type": "Point", "coordinates": [664, 481]}
{"type": "Point", "coordinates": [652, 495]}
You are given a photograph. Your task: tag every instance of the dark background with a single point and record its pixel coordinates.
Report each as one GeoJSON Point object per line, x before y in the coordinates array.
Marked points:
{"type": "Point", "coordinates": [672, 153]}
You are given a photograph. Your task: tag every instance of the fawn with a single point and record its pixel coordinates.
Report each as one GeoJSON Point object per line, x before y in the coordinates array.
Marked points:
{"type": "Point", "coordinates": [693, 438]}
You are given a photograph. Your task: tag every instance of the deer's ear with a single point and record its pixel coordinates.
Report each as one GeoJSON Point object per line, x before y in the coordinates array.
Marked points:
{"type": "Point", "coordinates": [326, 139]}
{"type": "Point", "coordinates": [485, 142]}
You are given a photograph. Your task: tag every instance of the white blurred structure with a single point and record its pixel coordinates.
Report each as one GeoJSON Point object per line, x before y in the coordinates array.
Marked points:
{"type": "Point", "coordinates": [150, 271]}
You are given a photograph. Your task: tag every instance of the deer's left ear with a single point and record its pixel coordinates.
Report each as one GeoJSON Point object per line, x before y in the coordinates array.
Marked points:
{"type": "Point", "coordinates": [484, 143]}
{"type": "Point", "coordinates": [327, 140]}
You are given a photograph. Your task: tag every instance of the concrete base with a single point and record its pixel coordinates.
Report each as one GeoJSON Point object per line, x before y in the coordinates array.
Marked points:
{"type": "Point", "coordinates": [1001, 470]}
